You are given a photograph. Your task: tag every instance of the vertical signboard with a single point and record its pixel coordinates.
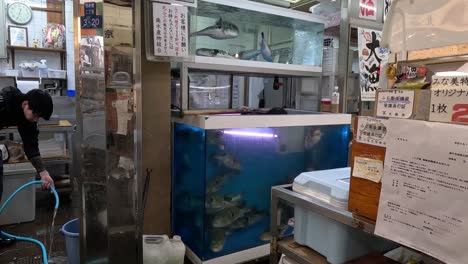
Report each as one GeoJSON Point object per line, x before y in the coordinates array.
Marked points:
{"type": "Point", "coordinates": [170, 32]}
{"type": "Point", "coordinates": [371, 59]}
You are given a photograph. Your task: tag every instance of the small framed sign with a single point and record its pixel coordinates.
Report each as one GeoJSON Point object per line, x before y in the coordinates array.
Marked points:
{"type": "Point", "coordinates": [18, 36]}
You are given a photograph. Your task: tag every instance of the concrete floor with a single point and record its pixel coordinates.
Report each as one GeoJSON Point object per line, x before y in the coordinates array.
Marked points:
{"type": "Point", "coordinates": [29, 253]}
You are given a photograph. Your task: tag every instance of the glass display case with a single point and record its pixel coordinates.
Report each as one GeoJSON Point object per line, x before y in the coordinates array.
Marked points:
{"type": "Point", "coordinates": [225, 165]}
{"type": "Point", "coordinates": [248, 34]}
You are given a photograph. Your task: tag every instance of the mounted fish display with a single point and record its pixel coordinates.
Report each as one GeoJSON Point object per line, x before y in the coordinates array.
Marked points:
{"type": "Point", "coordinates": [221, 205]}
{"type": "Point", "coordinates": [220, 30]}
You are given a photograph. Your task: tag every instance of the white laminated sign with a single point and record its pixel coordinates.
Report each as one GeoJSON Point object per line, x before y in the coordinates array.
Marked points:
{"type": "Point", "coordinates": [425, 188]}
{"type": "Point", "coordinates": [395, 103]}
{"type": "Point", "coordinates": [449, 99]}
{"type": "Point", "coordinates": [372, 131]}
{"type": "Point", "coordinates": [170, 30]}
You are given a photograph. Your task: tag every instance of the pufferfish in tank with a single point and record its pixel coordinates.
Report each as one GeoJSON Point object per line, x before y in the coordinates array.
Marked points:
{"type": "Point", "coordinates": [312, 138]}
{"type": "Point", "coordinates": [220, 30]}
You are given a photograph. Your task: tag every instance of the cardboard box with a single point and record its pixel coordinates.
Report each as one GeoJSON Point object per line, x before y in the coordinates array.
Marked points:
{"type": "Point", "coordinates": [364, 193]}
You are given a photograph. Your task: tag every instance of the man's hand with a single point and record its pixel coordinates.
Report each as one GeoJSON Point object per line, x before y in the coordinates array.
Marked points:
{"type": "Point", "coordinates": [47, 180]}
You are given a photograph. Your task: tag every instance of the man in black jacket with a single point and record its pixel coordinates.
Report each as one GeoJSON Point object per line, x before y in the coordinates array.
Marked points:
{"type": "Point", "coordinates": [23, 111]}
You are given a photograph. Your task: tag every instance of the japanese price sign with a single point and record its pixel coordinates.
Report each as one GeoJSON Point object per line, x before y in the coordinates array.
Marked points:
{"type": "Point", "coordinates": [395, 103]}
{"type": "Point", "coordinates": [368, 9]}
{"type": "Point", "coordinates": [91, 20]}
{"type": "Point", "coordinates": [449, 99]}
{"type": "Point", "coordinates": [371, 59]}
{"type": "Point", "coordinates": [425, 188]}
{"type": "Point", "coordinates": [372, 131]}
{"type": "Point", "coordinates": [170, 33]}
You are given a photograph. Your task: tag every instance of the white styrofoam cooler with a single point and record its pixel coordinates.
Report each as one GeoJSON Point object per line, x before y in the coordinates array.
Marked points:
{"type": "Point", "coordinates": [22, 208]}
{"type": "Point", "coordinates": [336, 241]}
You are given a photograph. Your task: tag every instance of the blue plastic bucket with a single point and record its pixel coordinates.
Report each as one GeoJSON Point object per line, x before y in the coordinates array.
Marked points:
{"type": "Point", "coordinates": [71, 231]}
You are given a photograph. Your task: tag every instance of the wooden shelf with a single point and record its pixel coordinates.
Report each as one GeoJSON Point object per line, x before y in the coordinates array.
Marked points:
{"type": "Point", "coordinates": [47, 161]}
{"type": "Point", "coordinates": [300, 254]}
{"type": "Point", "coordinates": [36, 49]}
{"type": "Point", "coordinates": [37, 78]}
{"type": "Point", "coordinates": [52, 10]}
{"type": "Point", "coordinates": [439, 55]}
{"type": "Point", "coordinates": [32, 78]}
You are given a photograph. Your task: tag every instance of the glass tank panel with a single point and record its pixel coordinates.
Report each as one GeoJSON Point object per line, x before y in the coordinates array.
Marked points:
{"type": "Point", "coordinates": [210, 91]}
{"type": "Point", "coordinates": [238, 30]}
{"type": "Point", "coordinates": [223, 177]}
{"type": "Point", "coordinates": [224, 31]}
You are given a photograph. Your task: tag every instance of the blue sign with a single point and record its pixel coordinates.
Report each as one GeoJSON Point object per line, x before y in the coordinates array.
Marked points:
{"type": "Point", "coordinates": [90, 8]}
{"type": "Point", "coordinates": [90, 20]}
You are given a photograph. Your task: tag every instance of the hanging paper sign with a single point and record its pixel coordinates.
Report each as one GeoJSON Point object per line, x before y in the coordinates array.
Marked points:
{"type": "Point", "coordinates": [387, 4]}
{"type": "Point", "coordinates": [449, 99]}
{"type": "Point", "coordinates": [395, 103]}
{"type": "Point", "coordinates": [170, 30]}
{"type": "Point", "coordinates": [368, 9]}
{"type": "Point", "coordinates": [192, 3]}
{"type": "Point", "coordinates": [371, 58]}
{"type": "Point", "coordinates": [425, 189]}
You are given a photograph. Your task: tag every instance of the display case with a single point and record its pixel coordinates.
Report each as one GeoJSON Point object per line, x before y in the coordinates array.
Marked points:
{"type": "Point", "coordinates": [243, 34]}
{"type": "Point", "coordinates": [225, 165]}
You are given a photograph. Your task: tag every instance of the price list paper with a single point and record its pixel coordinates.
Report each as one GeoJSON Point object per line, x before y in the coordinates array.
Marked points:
{"type": "Point", "coordinates": [170, 33]}
{"type": "Point", "coordinates": [425, 188]}
{"type": "Point", "coordinates": [449, 99]}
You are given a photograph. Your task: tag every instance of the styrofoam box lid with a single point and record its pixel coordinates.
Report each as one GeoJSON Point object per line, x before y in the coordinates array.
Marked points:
{"type": "Point", "coordinates": [18, 168]}
{"type": "Point", "coordinates": [333, 184]}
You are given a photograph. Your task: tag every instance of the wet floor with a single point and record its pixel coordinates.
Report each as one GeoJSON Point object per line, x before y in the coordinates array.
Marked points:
{"type": "Point", "coordinates": [29, 253]}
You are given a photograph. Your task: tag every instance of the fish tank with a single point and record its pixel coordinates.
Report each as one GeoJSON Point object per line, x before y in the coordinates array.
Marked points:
{"type": "Point", "coordinates": [225, 165]}
{"type": "Point", "coordinates": [247, 33]}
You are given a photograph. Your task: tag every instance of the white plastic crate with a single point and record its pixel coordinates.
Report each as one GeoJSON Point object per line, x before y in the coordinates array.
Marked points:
{"type": "Point", "coordinates": [22, 208]}
{"type": "Point", "coordinates": [13, 73]}
{"type": "Point", "coordinates": [336, 241]}
{"type": "Point", "coordinates": [57, 74]}
{"type": "Point", "coordinates": [30, 73]}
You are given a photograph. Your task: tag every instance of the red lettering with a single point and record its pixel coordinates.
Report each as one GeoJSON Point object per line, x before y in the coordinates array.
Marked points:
{"type": "Point", "coordinates": [460, 114]}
